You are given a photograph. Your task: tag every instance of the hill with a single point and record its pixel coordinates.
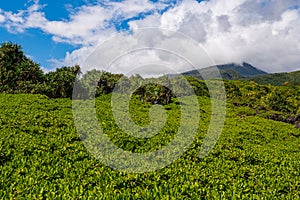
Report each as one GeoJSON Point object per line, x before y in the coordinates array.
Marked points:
{"type": "Point", "coordinates": [292, 78]}
{"type": "Point", "coordinates": [231, 71]}
{"type": "Point", "coordinates": [42, 155]}
{"type": "Point", "coordinates": [246, 72]}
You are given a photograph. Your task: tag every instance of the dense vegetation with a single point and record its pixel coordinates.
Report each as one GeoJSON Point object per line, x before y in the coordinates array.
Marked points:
{"type": "Point", "coordinates": [279, 79]}
{"type": "Point", "coordinates": [231, 71]}
{"type": "Point", "coordinates": [281, 103]}
{"type": "Point", "coordinates": [19, 74]}
{"type": "Point", "coordinates": [42, 155]}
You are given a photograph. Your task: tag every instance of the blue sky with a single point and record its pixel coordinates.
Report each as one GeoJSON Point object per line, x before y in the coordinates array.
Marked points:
{"type": "Point", "coordinates": [36, 43]}
{"type": "Point", "coordinates": [57, 33]}
{"type": "Point", "coordinates": [39, 45]}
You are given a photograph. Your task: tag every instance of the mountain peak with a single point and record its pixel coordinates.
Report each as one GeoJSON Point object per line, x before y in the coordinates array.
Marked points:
{"type": "Point", "coordinates": [230, 71]}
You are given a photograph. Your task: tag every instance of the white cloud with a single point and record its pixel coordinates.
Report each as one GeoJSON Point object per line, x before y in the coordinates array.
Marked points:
{"type": "Point", "coordinates": [2, 18]}
{"type": "Point", "coordinates": [262, 32]}
{"type": "Point", "coordinates": [83, 23]}
{"type": "Point", "coordinates": [151, 47]}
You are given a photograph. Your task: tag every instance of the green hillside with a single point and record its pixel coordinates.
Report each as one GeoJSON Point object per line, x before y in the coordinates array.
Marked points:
{"type": "Point", "coordinates": [292, 78]}
{"type": "Point", "coordinates": [230, 71]}
{"type": "Point", "coordinates": [42, 156]}
{"type": "Point", "coordinates": [44, 144]}
{"type": "Point", "coordinates": [247, 72]}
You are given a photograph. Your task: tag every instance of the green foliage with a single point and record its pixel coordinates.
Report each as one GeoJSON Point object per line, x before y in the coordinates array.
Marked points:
{"type": "Point", "coordinates": [155, 94]}
{"type": "Point", "coordinates": [284, 99]}
{"type": "Point", "coordinates": [199, 86]}
{"type": "Point", "coordinates": [278, 79]}
{"type": "Point", "coordinates": [98, 82]}
{"type": "Point", "coordinates": [107, 82]}
{"type": "Point", "coordinates": [59, 84]}
{"type": "Point", "coordinates": [152, 90]}
{"type": "Point", "coordinates": [231, 71]}
{"type": "Point", "coordinates": [42, 157]}
{"type": "Point", "coordinates": [18, 74]}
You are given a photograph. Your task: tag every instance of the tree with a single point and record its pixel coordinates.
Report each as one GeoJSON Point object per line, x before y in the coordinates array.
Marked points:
{"type": "Point", "coordinates": [100, 82]}
{"type": "Point", "coordinates": [18, 74]}
{"type": "Point", "coordinates": [59, 84]}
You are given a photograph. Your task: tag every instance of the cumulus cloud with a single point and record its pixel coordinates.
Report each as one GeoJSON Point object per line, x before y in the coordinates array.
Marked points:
{"type": "Point", "coordinates": [84, 23]}
{"type": "Point", "coordinates": [262, 32]}
{"type": "Point", "coordinates": [2, 18]}
{"type": "Point", "coordinates": [173, 51]}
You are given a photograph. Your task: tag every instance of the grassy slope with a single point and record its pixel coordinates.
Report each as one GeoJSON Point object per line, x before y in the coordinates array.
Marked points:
{"type": "Point", "coordinates": [278, 78]}
{"type": "Point", "coordinates": [229, 71]}
{"type": "Point", "coordinates": [41, 156]}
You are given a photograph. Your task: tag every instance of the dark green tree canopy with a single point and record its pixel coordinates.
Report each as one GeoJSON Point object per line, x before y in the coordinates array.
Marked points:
{"type": "Point", "coordinates": [17, 72]}
{"type": "Point", "coordinates": [59, 84]}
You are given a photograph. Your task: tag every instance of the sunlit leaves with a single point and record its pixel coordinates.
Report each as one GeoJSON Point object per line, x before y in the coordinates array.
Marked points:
{"type": "Point", "coordinates": [42, 156]}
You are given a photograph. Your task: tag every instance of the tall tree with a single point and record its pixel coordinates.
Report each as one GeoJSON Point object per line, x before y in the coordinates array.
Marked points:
{"type": "Point", "coordinates": [59, 84]}
{"type": "Point", "coordinates": [17, 72]}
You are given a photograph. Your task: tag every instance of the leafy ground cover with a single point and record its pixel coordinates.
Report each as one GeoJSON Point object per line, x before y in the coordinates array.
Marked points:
{"type": "Point", "coordinates": [42, 156]}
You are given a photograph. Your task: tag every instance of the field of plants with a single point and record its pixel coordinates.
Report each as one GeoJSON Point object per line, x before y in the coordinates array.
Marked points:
{"type": "Point", "coordinates": [43, 157]}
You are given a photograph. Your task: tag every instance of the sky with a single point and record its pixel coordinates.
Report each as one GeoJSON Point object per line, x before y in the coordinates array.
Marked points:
{"type": "Point", "coordinates": [264, 33]}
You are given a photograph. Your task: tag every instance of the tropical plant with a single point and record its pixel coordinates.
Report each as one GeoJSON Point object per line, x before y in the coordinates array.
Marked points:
{"type": "Point", "coordinates": [59, 84]}
{"type": "Point", "coordinates": [18, 74]}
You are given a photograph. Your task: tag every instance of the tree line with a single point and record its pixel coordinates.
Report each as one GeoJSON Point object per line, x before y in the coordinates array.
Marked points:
{"type": "Point", "coordinates": [19, 74]}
